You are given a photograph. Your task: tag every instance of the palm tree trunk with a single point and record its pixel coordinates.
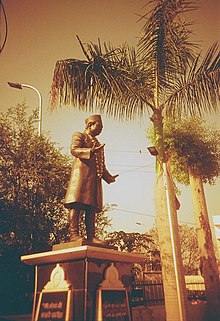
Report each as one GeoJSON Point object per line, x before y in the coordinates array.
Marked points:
{"type": "Point", "coordinates": [208, 262]}
{"type": "Point", "coordinates": [176, 302]}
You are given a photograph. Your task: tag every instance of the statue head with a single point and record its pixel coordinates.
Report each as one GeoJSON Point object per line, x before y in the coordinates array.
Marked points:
{"type": "Point", "coordinates": [93, 119]}
{"type": "Point", "coordinates": [94, 125]}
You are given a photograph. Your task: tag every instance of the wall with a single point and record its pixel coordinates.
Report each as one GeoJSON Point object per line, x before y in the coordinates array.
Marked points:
{"type": "Point", "coordinates": [157, 312]}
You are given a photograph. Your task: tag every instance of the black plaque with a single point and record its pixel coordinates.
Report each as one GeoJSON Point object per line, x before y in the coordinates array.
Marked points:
{"type": "Point", "coordinates": [54, 306]}
{"type": "Point", "coordinates": [115, 305]}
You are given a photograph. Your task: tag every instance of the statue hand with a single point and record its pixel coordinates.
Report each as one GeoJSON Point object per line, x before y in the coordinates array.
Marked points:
{"type": "Point", "coordinates": [113, 178]}
{"type": "Point", "coordinates": [97, 149]}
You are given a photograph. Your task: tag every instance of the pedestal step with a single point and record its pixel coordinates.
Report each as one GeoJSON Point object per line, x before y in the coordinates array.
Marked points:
{"type": "Point", "coordinates": [73, 244]}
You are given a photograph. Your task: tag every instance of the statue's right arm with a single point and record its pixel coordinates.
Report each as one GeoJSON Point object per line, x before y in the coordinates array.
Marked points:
{"type": "Point", "coordinates": [78, 146]}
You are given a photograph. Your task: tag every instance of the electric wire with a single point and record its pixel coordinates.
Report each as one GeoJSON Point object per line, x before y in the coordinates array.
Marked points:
{"type": "Point", "coordinates": [133, 170]}
{"type": "Point", "coordinates": [146, 215]}
{"type": "Point", "coordinates": [6, 27]}
{"type": "Point", "coordinates": [131, 165]}
{"type": "Point", "coordinates": [126, 151]}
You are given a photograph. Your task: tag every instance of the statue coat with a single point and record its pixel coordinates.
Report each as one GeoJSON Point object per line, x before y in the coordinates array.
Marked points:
{"type": "Point", "coordinates": [88, 170]}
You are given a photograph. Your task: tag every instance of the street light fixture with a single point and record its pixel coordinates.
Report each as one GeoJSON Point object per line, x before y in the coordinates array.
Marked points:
{"type": "Point", "coordinates": [20, 86]}
{"type": "Point", "coordinates": [141, 224]}
{"type": "Point", "coordinates": [152, 150]}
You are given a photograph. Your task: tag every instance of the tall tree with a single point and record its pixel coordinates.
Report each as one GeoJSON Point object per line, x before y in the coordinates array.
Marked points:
{"type": "Point", "coordinates": [165, 75]}
{"type": "Point", "coordinates": [194, 150]}
{"type": "Point", "coordinates": [33, 175]}
{"type": "Point", "coordinates": [33, 179]}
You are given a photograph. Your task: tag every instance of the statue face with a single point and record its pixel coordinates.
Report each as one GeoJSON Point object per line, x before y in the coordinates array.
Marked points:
{"type": "Point", "coordinates": [96, 128]}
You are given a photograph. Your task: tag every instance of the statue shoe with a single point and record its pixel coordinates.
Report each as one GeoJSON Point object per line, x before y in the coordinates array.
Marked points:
{"type": "Point", "coordinates": [76, 238]}
{"type": "Point", "coordinates": [96, 240]}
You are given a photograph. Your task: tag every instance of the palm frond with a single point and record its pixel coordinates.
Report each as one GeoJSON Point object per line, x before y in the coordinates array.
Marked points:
{"type": "Point", "coordinates": [198, 91]}
{"type": "Point", "coordinates": [165, 41]}
{"type": "Point", "coordinates": [111, 79]}
{"type": "Point", "coordinates": [165, 72]}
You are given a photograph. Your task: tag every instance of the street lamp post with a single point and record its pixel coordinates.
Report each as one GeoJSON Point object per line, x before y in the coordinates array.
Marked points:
{"type": "Point", "coordinates": [153, 151]}
{"type": "Point", "coordinates": [20, 86]}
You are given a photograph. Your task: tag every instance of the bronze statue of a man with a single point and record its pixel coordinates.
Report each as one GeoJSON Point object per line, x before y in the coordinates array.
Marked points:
{"type": "Point", "coordinates": [85, 186]}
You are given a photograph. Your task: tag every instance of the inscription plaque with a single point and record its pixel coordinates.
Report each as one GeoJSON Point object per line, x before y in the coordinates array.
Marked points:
{"type": "Point", "coordinates": [55, 300]}
{"type": "Point", "coordinates": [112, 298]}
{"type": "Point", "coordinates": [115, 305]}
{"type": "Point", "coordinates": [54, 306]}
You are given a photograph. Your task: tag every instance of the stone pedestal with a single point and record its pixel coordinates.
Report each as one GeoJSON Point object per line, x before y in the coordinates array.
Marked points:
{"type": "Point", "coordinates": [72, 276]}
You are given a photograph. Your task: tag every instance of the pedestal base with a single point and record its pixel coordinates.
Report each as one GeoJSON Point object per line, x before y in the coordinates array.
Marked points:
{"type": "Point", "coordinates": [79, 271]}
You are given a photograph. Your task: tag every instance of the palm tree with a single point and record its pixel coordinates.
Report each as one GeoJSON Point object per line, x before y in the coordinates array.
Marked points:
{"type": "Point", "coordinates": [163, 76]}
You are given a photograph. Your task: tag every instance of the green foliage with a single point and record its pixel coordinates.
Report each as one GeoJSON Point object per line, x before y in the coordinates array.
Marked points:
{"type": "Point", "coordinates": [130, 242]}
{"type": "Point", "coordinates": [189, 249]}
{"type": "Point", "coordinates": [192, 143]}
{"type": "Point", "coordinates": [188, 244]}
{"type": "Point", "coordinates": [33, 180]}
{"type": "Point", "coordinates": [165, 42]}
